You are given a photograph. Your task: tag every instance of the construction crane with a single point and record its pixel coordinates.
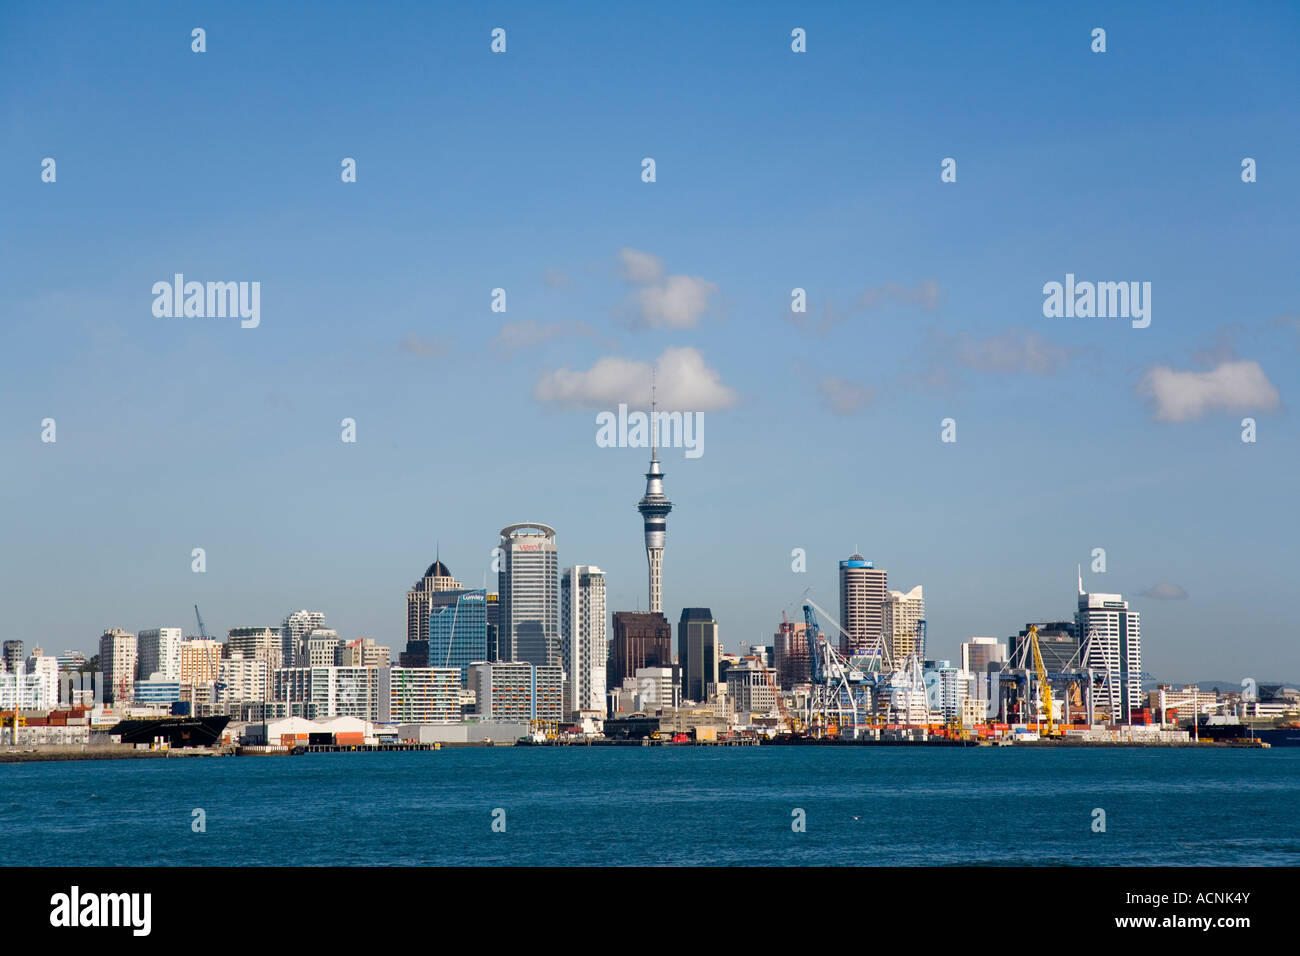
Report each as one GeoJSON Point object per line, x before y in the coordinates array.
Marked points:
{"type": "Point", "coordinates": [203, 631]}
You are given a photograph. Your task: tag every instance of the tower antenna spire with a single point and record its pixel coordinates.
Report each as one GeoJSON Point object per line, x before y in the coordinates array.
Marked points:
{"type": "Point", "coordinates": [1080, 567]}
{"type": "Point", "coordinates": [654, 424]}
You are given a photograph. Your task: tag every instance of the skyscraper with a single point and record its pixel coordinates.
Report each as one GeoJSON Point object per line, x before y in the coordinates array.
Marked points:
{"type": "Point", "coordinates": [13, 655]}
{"type": "Point", "coordinates": [419, 600]}
{"type": "Point", "coordinates": [584, 643]}
{"type": "Point", "coordinates": [117, 662]}
{"type": "Point", "coordinates": [790, 654]}
{"type": "Point", "coordinates": [698, 651]}
{"type": "Point", "coordinates": [901, 617]}
{"type": "Point", "coordinates": [1057, 643]}
{"type": "Point", "coordinates": [863, 589]}
{"type": "Point", "coordinates": [529, 585]}
{"type": "Point", "coordinates": [293, 636]}
{"type": "Point", "coordinates": [159, 651]}
{"type": "Point", "coordinates": [654, 507]}
{"type": "Point", "coordinates": [1112, 645]}
{"type": "Point", "coordinates": [641, 639]}
{"type": "Point", "coordinates": [458, 630]}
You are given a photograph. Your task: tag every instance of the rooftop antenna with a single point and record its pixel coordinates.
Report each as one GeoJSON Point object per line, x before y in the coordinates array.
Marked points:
{"type": "Point", "coordinates": [1080, 567]}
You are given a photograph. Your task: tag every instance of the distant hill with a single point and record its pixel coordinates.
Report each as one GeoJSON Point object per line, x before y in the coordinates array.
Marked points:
{"type": "Point", "coordinates": [1235, 685]}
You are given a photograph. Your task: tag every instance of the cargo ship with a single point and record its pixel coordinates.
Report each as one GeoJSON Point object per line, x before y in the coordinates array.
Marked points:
{"type": "Point", "coordinates": [1275, 735]}
{"type": "Point", "coordinates": [176, 731]}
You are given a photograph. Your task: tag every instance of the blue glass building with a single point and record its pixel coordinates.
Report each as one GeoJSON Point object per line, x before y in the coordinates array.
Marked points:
{"type": "Point", "coordinates": [458, 630]}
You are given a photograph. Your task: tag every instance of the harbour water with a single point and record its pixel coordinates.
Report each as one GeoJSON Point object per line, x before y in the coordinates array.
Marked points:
{"type": "Point", "coordinates": [650, 806]}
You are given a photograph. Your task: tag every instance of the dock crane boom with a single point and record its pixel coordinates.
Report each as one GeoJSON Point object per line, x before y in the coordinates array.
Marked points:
{"type": "Point", "coordinates": [1044, 687]}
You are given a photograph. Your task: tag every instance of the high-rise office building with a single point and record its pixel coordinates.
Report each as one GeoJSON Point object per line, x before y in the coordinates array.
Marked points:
{"type": "Point", "coordinates": [641, 639]}
{"type": "Point", "coordinates": [458, 630]}
{"type": "Point", "coordinates": [159, 652]}
{"type": "Point", "coordinates": [982, 658]}
{"type": "Point", "coordinates": [901, 622]}
{"type": "Point", "coordinates": [979, 652]}
{"type": "Point", "coordinates": [1112, 645]}
{"type": "Point", "coordinates": [654, 507]}
{"type": "Point", "coordinates": [529, 586]}
{"type": "Point", "coordinates": [117, 662]}
{"type": "Point", "coordinates": [293, 635]}
{"type": "Point", "coordinates": [863, 589]}
{"type": "Point", "coordinates": [419, 600]}
{"type": "Point", "coordinates": [790, 654]}
{"type": "Point", "coordinates": [259, 644]}
{"type": "Point", "coordinates": [584, 642]}
{"type": "Point", "coordinates": [322, 648]}
{"type": "Point", "coordinates": [698, 650]}
{"type": "Point", "coordinates": [13, 655]}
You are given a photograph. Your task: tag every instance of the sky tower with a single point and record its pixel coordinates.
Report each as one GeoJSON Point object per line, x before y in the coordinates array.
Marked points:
{"type": "Point", "coordinates": [654, 507]}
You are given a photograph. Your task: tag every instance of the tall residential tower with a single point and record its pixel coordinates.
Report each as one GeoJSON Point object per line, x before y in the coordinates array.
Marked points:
{"type": "Point", "coordinates": [585, 647]}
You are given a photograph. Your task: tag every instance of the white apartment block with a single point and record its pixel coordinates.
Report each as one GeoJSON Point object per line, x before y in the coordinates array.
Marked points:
{"type": "Point", "coordinates": [901, 616]}
{"type": "Point", "coordinates": [330, 691]}
{"type": "Point", "coordinates": [46, 669]}
{"type": "Point", "coordinates": [656, 689]}
{"type": "Point", "coordinates": [159, 653]}
{"type": "Point", "coordinates": [517, 690]}
{"type": "Point", "coordinates": [584, 641]}
{"type": "Point", "coordinates": [117, 661]}
{"type": "Point", "coordinates": [748, 689]}
{"type": "Point", "coordinates": [242, 681]}
{"type": "Point", "coordinates": [323, 648]}
{"type": "Point", "coordinates": [293, 635]}
{"type": "Point", "coordinates": [419, 695]}
{"type": "Point", "coordinates": [256, 643]}
{"type": "Point", "coordinates": [27, 691]}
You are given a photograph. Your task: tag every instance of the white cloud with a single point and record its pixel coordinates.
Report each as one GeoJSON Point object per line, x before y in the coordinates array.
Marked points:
{"type": "Point", "coordinates": [418, 346]}
{"type": "Point", "coordinates": [664, 301]}
{"type": "Point", "coordinates": [926, 295]}
{"type": "Point", "coordinates": [640, 266]}
{"type": "Point", "coordinates": [518, 335]}
{"type": "Point", "coordinates": [675, 303]}
{"type": "Point", "coordinates": [1235, 386]}
{"type": "Point", "coordinates": [843, 397]}
{"type": "Point", "coordinates": [683, 383]}
{"type": "Point", "coordinates": [1013, 351]}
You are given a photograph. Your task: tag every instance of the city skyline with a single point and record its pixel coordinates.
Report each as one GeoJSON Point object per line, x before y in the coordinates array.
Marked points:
{"type": "Point", "coordinates": [776, 171]}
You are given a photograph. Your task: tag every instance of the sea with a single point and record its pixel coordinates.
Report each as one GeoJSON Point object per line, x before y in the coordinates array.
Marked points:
{"type": "Point", "coordinates": [678, 806]}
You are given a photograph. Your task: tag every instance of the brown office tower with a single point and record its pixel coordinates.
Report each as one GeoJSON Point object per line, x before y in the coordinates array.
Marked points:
{"type": "Point", "coordinates": [641, 639]}
{"type": "Point", "coordinates": [790, 654]}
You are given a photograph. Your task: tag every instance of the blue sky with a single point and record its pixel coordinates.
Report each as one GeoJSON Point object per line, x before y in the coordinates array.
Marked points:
{"type": "Point", "coordinates": [775, 170]}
